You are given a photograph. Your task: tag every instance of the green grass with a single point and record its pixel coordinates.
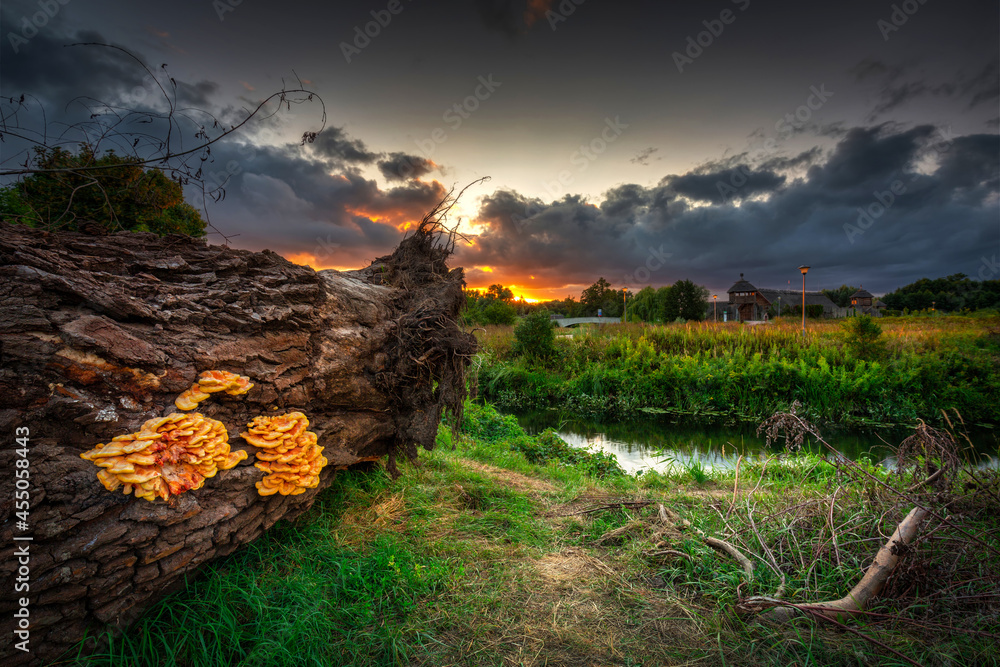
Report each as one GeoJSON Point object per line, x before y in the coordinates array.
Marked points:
{"type": "Point", "coordinates": [477, 556]}
{"type": "Point", "coordinates": [924, 365]}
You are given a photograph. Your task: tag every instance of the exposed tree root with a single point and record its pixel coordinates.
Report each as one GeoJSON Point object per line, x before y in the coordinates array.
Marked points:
{"type": "Point", "coordinates": [870, 585]}
{"type": "Point", "coordinates": [732, 551]}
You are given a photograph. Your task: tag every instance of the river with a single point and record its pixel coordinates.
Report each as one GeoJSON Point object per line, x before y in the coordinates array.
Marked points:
{"type": "Point", "coordinates": [657, 442]}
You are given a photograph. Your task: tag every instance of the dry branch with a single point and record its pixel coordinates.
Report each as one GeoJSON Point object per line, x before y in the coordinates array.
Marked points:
{"type": "Point", "coordinates": [873, 581]}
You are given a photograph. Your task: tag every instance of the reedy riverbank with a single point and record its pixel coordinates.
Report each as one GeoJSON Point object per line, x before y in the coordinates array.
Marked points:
{"type": "Point", "coordinates": [925, 365]}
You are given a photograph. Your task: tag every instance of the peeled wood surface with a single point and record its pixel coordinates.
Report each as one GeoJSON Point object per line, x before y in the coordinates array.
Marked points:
{"type": "Point", "coordinates": [99, 334]}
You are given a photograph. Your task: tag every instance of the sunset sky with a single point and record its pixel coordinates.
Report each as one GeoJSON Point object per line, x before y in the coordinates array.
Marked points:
{"type": "Point", "coordinates": [645, 142]}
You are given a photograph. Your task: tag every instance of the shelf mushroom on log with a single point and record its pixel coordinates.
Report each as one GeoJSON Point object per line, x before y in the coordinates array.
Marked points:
{"type": "Point", "coordinates": [100, 335]}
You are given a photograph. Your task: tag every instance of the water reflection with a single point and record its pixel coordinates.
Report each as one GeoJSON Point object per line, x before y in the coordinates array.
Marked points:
{"type": "Point", "coordinates": [654, 442]}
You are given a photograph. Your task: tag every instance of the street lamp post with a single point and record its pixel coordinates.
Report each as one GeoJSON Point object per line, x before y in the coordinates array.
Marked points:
{"type": "Point", "coordinates": [715, 308]}
{"type": "Point", "coordinates": [624, 306]}
{"type": "Point", "coordinates": [804, 269]}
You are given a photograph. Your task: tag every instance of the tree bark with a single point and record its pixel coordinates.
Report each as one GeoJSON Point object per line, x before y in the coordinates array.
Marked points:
{"type": "Point", "coordinates": [100, 334]}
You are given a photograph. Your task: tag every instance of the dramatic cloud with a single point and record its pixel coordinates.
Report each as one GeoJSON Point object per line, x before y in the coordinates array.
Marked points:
{"type": "Point", "coordinates": [401, 166]}
{"type": "Point", "coordinates": [859, 215]}
{"type": "Point", "coordinates": [334, 145]}
{"type": "Point", "coordinates": [723, 186]}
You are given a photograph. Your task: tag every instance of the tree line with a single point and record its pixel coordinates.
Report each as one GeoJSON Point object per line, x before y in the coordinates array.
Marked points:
{"type": "Point", "coordinates": [683, 300]}
{"type": "Point", "coordinates": [952, 293]}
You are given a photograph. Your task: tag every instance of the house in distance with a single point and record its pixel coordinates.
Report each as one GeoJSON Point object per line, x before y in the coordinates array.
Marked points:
{"type": "Point", "coordinates": [864, 302]}
{"type": "Point", "coordinates": [747, 303]}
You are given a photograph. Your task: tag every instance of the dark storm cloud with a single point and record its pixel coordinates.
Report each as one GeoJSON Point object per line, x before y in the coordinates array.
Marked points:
{"type": "Point", "coordinates": [970, 163]}
{"type": "Point", "coordinates": [401, 166]}
{"type": "Point", "coordinates": [868, 154]}
{"type": "Point", "coordinates": [334, 144]}
{"type": "Point", "coordinates": [934, 222]}
{"type": "Point", "coordinates": [296, 199]}
{"type": "Point", "coordinates": [58, 67]}
{"type": "Point", "coordinates": [47, 67]}
{"type": "Point", "coordinates": [289, 197]}
{"type": "Point", "coordinates": [706, 187]}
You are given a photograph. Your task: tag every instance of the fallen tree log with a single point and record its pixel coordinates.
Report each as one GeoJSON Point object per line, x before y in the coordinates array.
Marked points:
{"type": "Point", "coordinates": [100, 334]}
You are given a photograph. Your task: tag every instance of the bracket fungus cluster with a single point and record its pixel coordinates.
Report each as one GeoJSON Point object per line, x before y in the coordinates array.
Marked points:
{"type": "Point", "coordinates": [290, 458]}
{"type": "Point", "coordinates": [168, 456]}
{"type": "Point", "coordinates": [210, 382]}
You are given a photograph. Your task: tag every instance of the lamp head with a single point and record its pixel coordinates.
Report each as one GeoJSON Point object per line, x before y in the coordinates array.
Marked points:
{"type": "Point", "coordinates": [804, 269]}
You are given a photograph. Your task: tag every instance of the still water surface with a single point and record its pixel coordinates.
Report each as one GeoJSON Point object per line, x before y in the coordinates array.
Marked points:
{"type": "Point", "coordinates": [654, 442]}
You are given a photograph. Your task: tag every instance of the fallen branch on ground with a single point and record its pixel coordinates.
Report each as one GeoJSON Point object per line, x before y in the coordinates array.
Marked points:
{"type": "Point", "coordinates": [869, 586]}
{"type": "Point", "coordinates": [713, 542]}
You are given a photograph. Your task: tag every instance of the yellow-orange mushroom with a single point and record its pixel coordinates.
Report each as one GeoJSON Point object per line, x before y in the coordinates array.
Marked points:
{"type": "Point", "coordinates": [168, 456]}
{"type": "Point", "coordinates": [210, 382]}
{"type": "Point", "coordinates": [291, 458]}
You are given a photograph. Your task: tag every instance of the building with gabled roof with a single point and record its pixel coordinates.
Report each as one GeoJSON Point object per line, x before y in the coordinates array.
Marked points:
{"type": "Point", "coordinates": [748, 303]}
{"type": "Point", "coordinates": [865, 302]}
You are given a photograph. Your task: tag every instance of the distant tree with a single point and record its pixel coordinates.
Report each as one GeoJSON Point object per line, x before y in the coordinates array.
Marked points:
{"type": "Point", "coordinates": [691, 300]}
{"type": "Point", "coordinates": [667, 307]}
{"type": "Point", "coordinates": [115, 192]}
{"type": "Point", "coordinates": [598, 296]}
{"type": "Point", "coordinates": [498, 312]}
{"type": "Point", "coordinates": [683, 300]}
{"type": "Point", "coordinates": [951, 293]}
{"type": "Point", "coordinates": [841, 296]}
{"type": "Point", "coordinates": [500, 293]}
{"type": "Point", "coordinates": [534, 337]}
{"type": "Point", "coordinates": [643, 305]}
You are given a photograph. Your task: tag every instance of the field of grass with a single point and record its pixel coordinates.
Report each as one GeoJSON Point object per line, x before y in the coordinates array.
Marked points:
{"type": "Point", "coordinates": [478, 556]}
{"type": "Point", "coordinates": [924, 365]}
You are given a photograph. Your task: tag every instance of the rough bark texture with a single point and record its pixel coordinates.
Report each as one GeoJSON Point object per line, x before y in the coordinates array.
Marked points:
{"type": "Point", "coordinates": [99, 334]}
